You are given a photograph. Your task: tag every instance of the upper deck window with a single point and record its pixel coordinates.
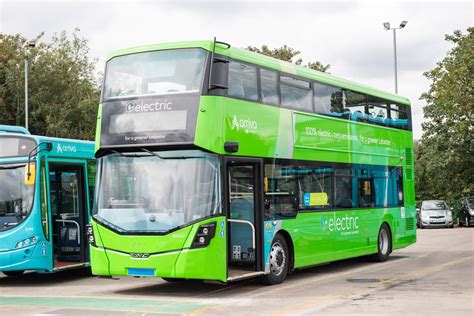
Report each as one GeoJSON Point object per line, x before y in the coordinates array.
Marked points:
{"type": "Point", "coordinates": [295, 93]}
{"type": "Point", "coordinates": [269, 84]}
{"type": "Point", "coordinates": [328, 99]}
{"type": "Point", "coordinates": [155, 73]}
{"type": "Point", "coordinates": [242, 81]}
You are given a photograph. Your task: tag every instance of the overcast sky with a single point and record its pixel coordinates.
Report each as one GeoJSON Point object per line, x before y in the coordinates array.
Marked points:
{"type": "Point", "coordinates": [346, 34]}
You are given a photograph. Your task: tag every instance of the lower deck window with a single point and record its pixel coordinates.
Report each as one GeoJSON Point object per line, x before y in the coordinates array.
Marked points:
{"type": "Point", "coordinates": [290, 187]}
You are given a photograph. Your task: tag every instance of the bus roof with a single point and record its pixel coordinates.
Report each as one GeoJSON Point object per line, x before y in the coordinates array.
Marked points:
{"type": "Point", "coordinates": [14, 129]}
{"type": "Point", "coordinates": [62, 147]}
{"type": "Point", "coordinates": [269, 62]}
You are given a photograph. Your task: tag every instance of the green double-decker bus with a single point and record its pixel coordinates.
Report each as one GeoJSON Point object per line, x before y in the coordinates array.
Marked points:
{"type": "Point", "coordinates": [218, 163]}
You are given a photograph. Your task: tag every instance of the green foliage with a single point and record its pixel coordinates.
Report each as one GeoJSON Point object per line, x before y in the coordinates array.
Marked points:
{"type": "Point", "coordinates": [63, 89]}
{"type": "Point", "coordinates": [286, 53]}
{"type": "Point", "coordinates": [444, 161]}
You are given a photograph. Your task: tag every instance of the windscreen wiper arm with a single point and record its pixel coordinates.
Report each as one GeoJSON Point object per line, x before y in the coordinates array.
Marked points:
{"type": "Point", "coordinates": [16, 166]}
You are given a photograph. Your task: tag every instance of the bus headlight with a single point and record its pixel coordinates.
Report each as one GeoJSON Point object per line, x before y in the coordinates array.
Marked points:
{"type": "Point", "coordinates": [90, 234]}
{"type": "Point", "coordinates": [204, 235]}
{"type": "Point", "coordinates": [26, 242]}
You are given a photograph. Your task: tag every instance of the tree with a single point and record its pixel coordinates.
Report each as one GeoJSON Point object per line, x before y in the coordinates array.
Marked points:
{"type": "Point", "coordinates": [63, 88]}
{"type": "Point", "coordinates": [286, 53]}
{"type": "Point", "coordinates": [445, 154]}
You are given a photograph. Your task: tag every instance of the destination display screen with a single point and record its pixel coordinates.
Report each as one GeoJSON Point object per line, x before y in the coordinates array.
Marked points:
{"type": "Point", "coordinates": [157, 120]}
{"type": "Point", "coordinates": [147, 122]}
{"type": "Point", "coordinates": [15, 146]}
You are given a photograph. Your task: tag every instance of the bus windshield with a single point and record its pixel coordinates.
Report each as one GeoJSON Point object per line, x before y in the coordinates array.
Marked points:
{"type": "Point", "coordinates": [157, 192]}
{"type": "Point", "coordinates": [16, 198]}
{"type": "Point", "coordinates": [155, 73]}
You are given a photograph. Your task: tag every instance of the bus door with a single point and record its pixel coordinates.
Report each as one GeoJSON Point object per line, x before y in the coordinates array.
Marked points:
{"type": "Point", "coordinates": [68, 205]}
{"type": "Point", "coordinates": [245, 197]}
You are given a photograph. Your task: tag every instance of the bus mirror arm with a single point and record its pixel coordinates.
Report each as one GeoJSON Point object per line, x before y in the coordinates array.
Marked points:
{"type": "Point", "coordinates": [220, 84]}
{"type": "Point", "coordinates": [35, 151]}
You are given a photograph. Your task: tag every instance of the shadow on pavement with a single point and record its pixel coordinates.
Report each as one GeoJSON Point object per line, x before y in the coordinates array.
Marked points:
{"type": "Point", "coordinates": [195, 288]}
{"type": "Point", "coordinates": [30, 279]}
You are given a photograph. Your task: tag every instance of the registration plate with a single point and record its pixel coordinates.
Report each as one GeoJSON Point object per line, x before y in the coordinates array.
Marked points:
{"type": "Point", "coordinates": [141, 272]}
{"type": "Point", "coordinates": [438, 220]}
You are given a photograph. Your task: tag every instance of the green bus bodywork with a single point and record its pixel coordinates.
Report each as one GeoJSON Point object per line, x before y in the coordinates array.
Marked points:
{"type": "Point", "coordinates": [270, 132]}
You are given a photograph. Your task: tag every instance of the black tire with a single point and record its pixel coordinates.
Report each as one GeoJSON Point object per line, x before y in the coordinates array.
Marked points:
{"type": "Point", "coordinates": [279, 261]}
{"type": "Point", "coordinates": [384, 244]}
{"type": "Point", "coordinates": [174, 280]}
{"type": "Point", "coordinates": [13, 274]}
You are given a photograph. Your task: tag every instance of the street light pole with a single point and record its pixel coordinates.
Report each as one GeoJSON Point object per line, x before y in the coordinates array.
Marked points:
{"type": "Point", "coordinates": [387, 27]}
{"type": "Point", "coordinates": [26, 88]}
{"type": "Point", "coordinates": [26, 46]}
{"type": "Point", "coordinates": [395, 58]}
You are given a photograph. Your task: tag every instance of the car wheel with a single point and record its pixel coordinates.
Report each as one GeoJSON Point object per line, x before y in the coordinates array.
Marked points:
{"type": "Point", "coordinates": [384, 244]}
{"type": "Point", "coordinates": [279, 262]}
{"type": "Point", "coordinates": [13, 274]}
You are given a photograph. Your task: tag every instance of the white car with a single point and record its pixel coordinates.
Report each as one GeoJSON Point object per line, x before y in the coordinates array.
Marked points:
{"type": "Point", "coordinates": [435, 213]}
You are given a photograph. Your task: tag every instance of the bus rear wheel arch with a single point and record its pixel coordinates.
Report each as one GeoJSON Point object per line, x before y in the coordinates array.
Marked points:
{"type": "Point", "coordinates": [384, 244]}
{"type": "Point", "coordinates": [280, 261]}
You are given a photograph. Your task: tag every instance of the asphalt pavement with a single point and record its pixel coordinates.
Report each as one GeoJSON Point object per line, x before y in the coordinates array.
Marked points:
{"type": "Point", "coordinates": [434, 276]}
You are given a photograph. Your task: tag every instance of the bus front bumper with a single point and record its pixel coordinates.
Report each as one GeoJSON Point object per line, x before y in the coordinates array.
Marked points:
{"type": "Point", "coordinates": [182, 264]}
{"type": "Point", "coordinates": [21, 259]}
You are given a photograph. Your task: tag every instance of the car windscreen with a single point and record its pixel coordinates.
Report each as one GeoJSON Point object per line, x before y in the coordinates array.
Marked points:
{"type": "Point", "coordinates": [434, 205]}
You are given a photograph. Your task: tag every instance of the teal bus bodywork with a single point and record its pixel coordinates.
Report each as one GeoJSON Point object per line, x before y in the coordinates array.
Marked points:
{"type": "Point", "coordinates": [43, 214]}
{"type": "Point", "coordinates": [273, 161]}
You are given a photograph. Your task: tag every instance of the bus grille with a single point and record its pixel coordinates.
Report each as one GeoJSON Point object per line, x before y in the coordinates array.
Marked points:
{"type": "Point", "coordinates": [410, 223]}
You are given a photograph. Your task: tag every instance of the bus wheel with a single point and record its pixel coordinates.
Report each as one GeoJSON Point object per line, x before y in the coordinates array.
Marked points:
{"type": "Point", "coordinates": [13, 274]}
{"type": "Point", "coordinates": [384, 244]}
{"type": "Point", "coordinates": [279, 261]}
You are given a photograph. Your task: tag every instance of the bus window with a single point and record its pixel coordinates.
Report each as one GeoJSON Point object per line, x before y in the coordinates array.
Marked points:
{"type": "Point", "coordinates": [328, 100]}
{"type": "Point", "coordinates": [366, 193]}
{"type": "Point", "coordinates": [280, 196]}
{"type": "Point", "coordinates": [398, 116]}
{"type": "Point", "coordinates": [53, 193]}
{"type": "Point", "coordinates": [315, 188]}
{"type": "Point", "coordinates": [268, 82]}
{"type": "Point", "coordinates": [296, 94]}
{"type": "Point", "coordinates": [242, 81]}
{"type": "Point", "coordinates": [378, 111]}
{"type": "Point", "coordinates": [91, 171]}
{"type": "Point", "coordinates": [44, 200]}
{"type": "Point", "coordinates": [356, 102]}
{"type": "Point", "coordinates": [343, 197]}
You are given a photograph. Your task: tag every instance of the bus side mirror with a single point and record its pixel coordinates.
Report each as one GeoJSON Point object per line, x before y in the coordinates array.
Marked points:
{"type": "Point", "coordinates": [30, 174]}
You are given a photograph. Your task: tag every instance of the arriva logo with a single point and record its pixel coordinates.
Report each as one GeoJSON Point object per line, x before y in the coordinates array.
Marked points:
{"type": "Point", "coordinates": [149, 107]}
{"type": "Point", "coordinates": [247, 125]}
{"type": "Point", "coordinates": [346, 223]}
{"type": "Point", "coordinates": [65, 149]}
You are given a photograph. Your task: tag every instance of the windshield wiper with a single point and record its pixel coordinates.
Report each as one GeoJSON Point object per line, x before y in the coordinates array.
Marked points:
{"type": "Point", "coordinates": [11, 167]}
{"type": "Point", "coordinates": [151, 152]}
{"type": "Point", "coordinates": [172, 157]}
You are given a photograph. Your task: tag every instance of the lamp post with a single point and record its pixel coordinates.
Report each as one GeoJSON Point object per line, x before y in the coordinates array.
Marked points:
{"type": "Point", "coordinates": [387, 27]}
{"type": "Point", "coordinates": [28, 44]}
